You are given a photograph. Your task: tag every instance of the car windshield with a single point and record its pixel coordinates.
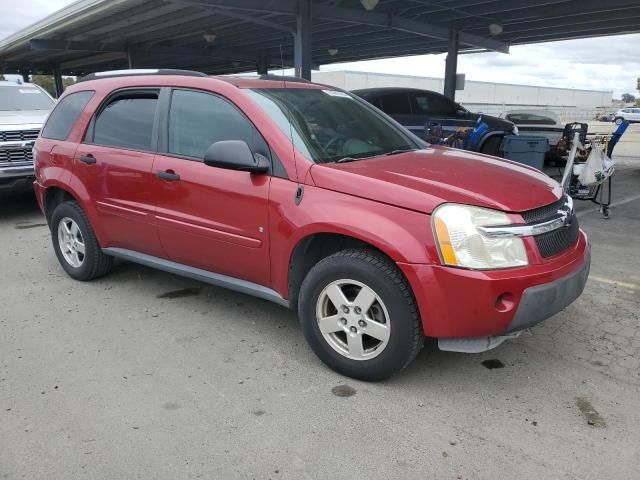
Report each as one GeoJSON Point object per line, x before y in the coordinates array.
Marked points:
{"type": "Point", "coordinates": [530, 118]}
{"type": "Point", "coordinates": [23, 97]}
{"type": "Point", "coordinates": [331, 125]}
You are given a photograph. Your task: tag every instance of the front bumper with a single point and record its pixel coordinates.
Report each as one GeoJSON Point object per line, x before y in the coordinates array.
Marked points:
{"type": "Point", "coordinates": [16, 178]}
{"type": "Point", "coordinates": [456, 303]}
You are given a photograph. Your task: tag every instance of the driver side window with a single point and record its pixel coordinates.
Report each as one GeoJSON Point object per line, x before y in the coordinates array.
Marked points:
{"type": "Point", "coordinates": [198, 119]}
{"type": "Point", "coordinates": [431, 104]}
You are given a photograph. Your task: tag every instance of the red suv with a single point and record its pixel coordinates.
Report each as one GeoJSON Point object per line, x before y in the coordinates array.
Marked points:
{"type": "Point", "coordinates": [307, 196]}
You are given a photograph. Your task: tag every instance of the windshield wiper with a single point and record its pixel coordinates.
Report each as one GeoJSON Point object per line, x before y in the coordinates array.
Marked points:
{"type": "Point", "coordinates": [348, 159]}
{"type": "Point", "coordinates": [396, 152]}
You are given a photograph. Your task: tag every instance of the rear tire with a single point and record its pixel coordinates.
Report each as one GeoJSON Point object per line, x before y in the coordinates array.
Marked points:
{"type": "Point", "coordinates": [491, 146]}
{"type": "Point", "coordinates": [370, 342]}
{"type": "Point", "coordinates": [76, 245]}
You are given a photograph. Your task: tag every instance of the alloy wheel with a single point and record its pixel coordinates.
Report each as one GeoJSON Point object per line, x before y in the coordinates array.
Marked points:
{"type": "Point", "coordinates": [353, 319]}
{"type": "Point", "coordinates": [71, 242]}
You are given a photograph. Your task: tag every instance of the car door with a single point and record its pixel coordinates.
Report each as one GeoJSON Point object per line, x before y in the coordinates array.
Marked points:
{"type": "Point", "coordinates": [210, 218]}
{"type": "Point", "coordinates": [113, 164]}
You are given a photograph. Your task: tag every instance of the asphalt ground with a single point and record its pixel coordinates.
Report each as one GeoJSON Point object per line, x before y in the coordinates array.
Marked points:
{"type": "Point", "coordinates": [144, 374]}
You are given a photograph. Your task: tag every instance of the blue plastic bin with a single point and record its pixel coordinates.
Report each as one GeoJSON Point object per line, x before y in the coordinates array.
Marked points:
{"type": "Point", "coordinates": [526, 149]}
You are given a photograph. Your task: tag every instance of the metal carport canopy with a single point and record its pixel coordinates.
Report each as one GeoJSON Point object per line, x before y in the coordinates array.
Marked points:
{"type": "Point", "coordinates": [227, 36]}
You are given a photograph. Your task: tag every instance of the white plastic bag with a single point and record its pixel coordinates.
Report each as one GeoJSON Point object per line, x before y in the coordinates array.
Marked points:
{"type": "Point", "coordinates": [597, 169]}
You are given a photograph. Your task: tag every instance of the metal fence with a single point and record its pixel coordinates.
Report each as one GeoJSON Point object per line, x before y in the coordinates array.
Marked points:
{"type": "Point", "coordinates": [566, 113]}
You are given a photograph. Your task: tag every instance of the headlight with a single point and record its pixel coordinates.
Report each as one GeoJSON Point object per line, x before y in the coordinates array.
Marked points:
{"type": "Point", "coordinates": [462, 244]}
{"type": "Point", "coordinates": [515, 130]}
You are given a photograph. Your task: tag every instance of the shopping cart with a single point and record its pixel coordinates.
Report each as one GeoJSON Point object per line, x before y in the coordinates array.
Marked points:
{"type": "Point", "coordinates": [581, 146]}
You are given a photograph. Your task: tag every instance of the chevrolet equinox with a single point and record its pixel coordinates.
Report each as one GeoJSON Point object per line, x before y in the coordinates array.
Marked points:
{"type": "Point", "coordinates": [307, 196]}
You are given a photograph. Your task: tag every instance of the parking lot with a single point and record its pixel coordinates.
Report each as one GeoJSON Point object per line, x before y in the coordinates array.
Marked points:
{"type": "Point", "coordinates": [143, 374]}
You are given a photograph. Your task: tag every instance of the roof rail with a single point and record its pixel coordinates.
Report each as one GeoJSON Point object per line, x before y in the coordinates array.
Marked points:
{"type": "Point", "coordinates": [141, 71]}
{"type": "Point", "coordinates": [271, 76]}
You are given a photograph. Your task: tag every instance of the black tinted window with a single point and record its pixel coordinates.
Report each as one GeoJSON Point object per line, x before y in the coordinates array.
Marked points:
{"type": "Point", "coordinates": [431, 104]}
{"type": "Point", "coordinates": [127, 121]}
{"type": "Point", "coordinates": [396, 104]}
{"type": "Point", "coordinates": [197, 120]}
{"type": "Point", "coordinates": [65, 114]}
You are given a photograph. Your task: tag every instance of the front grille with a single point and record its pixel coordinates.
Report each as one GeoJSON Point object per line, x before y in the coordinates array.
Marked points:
{"type": "Point", "coordinates": [555, 242]}
{"type": "Point", "coordinates": [19, 135]}
{"type": "Point", "coordinates": [543, 213]}
{"type": "Point", "coordinates": [9, 157]}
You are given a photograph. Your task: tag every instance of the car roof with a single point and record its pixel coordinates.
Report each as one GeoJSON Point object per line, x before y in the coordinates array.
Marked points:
{"type": "Point", "coordinates": [384, 90]}
{"type": "Point", "coordinates": [161, 77]}
{"type": "Point", "coordinates": [9, 83]}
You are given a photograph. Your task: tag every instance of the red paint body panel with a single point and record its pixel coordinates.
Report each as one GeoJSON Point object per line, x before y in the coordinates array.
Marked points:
{"type": "Point", "coordinates": [247, 226]}
{"type": "Point", "coordinates": [424, 179]}
{"type": "Point", "coordinates": [211, 218]}
{"type": "Point", "coordinates": [455, 302]}
{"type": "Point", "coordinates": [120, 187]}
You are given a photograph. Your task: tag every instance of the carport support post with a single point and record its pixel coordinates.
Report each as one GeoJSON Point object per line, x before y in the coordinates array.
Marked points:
{"type": "Point", "coordinates": [263, 65]}
{"type": "Point", "coordinates": [25, 76]}
{"type": "Point", "coordinates": [302, 40]}
{"type": "Point", "coordinates": [451, 66]}
{"type": "Point", "coordinates": [57, 81]}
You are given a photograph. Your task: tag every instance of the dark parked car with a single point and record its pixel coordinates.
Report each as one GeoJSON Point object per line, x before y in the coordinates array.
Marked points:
{"type": "Point", "coordinates": [414, 108]}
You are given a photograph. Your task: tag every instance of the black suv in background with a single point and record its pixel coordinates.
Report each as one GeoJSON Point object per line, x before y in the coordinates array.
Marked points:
{"type": "Point", "coordinates": [414, 109]}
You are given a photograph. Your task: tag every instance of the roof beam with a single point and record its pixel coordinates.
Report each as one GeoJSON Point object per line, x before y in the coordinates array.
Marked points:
{"type": "Point", "coordinates": [218, 52]}
{"type": "Point", "coordinates": [227, 12]}
{"type": "Point", "coordinates": [352, 15]}
{"type": "Point", "coordinates": [64, 45]}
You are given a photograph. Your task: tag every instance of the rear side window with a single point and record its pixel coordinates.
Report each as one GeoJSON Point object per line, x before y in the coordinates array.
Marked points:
{"type": "Point", "coordinates": [65, 114]}
{"type": "Point", "coordinates": [396, 104]}
{"type": "Point", "coordinates": [127, 121]}
{"type": "Point", "coordinates": [197, 120]}
{"type": "Point", "coordinates": [431, 104]}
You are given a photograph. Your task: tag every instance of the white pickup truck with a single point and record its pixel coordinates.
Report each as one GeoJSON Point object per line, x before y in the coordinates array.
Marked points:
{"type": "Point", "coordinates": [23, 110]}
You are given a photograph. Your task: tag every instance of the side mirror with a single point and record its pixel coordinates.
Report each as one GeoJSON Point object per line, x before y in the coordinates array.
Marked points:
{"type": "Point", "coordinates": [235, 155]}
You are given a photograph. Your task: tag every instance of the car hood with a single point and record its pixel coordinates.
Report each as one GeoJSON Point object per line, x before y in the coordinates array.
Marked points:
{"type": "Point", "coordinates": [423, 179]}
{"type": "Point", "coordinates": [495, 122]}
{"type": "Point", "coordinates": [22, 117]}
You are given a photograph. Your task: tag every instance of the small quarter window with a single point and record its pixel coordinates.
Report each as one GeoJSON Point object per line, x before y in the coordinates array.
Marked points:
{"type": "Point", "coordinates": [65, 114]}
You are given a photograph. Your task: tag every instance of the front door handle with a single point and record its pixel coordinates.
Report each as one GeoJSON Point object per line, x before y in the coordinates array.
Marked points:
{"type": "Point", "coordinates": [168, 175]}
{"type": "Point", "coordinates": [88, 159]}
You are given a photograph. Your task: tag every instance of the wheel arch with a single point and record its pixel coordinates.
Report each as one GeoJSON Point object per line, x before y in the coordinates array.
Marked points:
{"type": "Point", "coordinates": [53, 196]}
{"type": "Point", "coordinates": [56, 192]}
{"type": "Point", "coordinates": [314, 247]}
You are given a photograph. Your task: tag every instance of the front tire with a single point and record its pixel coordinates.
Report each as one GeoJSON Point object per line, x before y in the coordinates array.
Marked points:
{"type": "Point", "coordinates": [359, 315]}
{"type": "Point", "coordinates": [619, 120]}
{"type": "Point", "coordinates": [76, 245]}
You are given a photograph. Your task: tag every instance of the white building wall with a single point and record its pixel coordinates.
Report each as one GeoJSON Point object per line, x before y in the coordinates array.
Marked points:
{"type": "Point", "coordinates": [486, 97]}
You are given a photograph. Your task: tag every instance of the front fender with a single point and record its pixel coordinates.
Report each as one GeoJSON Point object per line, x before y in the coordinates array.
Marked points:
{"type": "Point", "coordinates": [403, 235]}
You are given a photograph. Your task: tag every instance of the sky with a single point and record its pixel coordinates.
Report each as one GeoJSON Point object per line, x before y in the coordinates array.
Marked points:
{"type": "Point", "coordinates": [608, 63]}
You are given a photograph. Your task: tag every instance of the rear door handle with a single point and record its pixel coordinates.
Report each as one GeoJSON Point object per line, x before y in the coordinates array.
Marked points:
{"type": "Point", "coordinates": [168, 175]}
{"type": "Point", "coordinates": [88, 159]}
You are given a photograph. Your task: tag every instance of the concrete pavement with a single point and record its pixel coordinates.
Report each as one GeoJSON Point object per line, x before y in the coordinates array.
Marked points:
{"type": "Point", "coordinates": [143, 374]}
